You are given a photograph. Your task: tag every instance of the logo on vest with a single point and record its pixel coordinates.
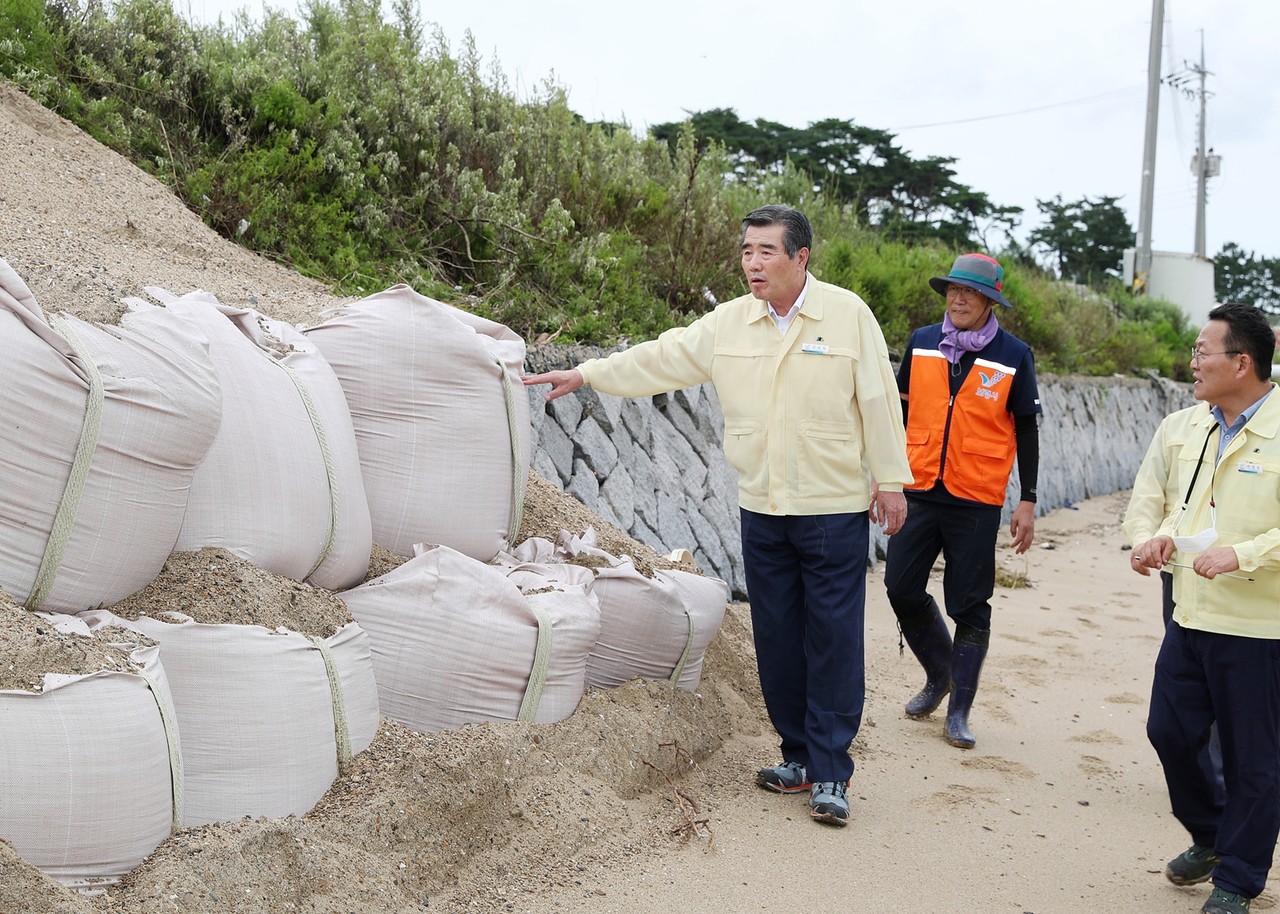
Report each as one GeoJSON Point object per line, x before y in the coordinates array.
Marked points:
{"type": "Point", "coordinates": [989, 381]}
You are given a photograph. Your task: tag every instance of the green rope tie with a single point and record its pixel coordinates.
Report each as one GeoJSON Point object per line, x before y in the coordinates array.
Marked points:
{"type": "Point", "coordinates": [330, 470]}
{"type": "Point", "coordinates": [688, 649]}
{"type": "Point", "coordinates": [341, 733]}
{"type": "Point", "coordinates": [520, 474]}
{"type": "Point", "coordinates": [541, 663]}
{"type": "Point", "coordinates": [65, 518]}
{"type": "Point", "coordinates": [169, 719]}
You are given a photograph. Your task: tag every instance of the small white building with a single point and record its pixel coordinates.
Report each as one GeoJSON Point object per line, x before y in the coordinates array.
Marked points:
{"type": "Point", "coordinates": [1184, 279]}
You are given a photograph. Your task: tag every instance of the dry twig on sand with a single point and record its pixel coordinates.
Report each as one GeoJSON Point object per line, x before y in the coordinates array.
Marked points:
{"type": "Point", "coordinates": [688, 806]}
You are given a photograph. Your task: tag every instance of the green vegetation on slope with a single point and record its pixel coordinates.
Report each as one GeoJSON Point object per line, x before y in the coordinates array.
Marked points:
{"type": "Point", "coordinates": [360, 150]}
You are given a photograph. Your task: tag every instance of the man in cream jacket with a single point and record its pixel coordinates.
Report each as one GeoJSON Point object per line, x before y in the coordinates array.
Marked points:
{"type": "Point", "coordinates": [810, 409]}
{"type": "Point", "coordinates": [1220, 659]}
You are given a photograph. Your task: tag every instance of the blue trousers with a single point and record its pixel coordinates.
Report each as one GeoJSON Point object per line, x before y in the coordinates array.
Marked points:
{"type": "Point", "coordinates": [806, 582]}
{"type": "Point", "coordinates": [1202, 678]}
{"type": "Point", "coordinates": [966, 537]}
{"type": "Point", "coordinates": [1210, 756]}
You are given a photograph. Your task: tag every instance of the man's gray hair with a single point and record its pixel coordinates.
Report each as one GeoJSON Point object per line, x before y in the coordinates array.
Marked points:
{"type": "Point", "coordinates": [797, 232]}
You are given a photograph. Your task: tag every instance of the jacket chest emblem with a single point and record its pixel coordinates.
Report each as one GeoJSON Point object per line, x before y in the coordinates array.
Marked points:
{"type": "Point", "coordinates": [989, 381]}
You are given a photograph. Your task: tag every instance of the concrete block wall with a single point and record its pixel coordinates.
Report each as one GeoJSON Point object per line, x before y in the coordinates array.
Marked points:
{"type": "Point", "coordinates": [655, 468]}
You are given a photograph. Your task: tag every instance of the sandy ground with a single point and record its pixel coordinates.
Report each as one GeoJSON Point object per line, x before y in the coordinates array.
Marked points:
{"type": "Point", "coordinates": [1061, 807]}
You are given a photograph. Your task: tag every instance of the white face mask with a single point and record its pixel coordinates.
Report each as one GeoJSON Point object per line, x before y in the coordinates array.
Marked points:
{"type": "Point", "coordinates": [1197, 543]}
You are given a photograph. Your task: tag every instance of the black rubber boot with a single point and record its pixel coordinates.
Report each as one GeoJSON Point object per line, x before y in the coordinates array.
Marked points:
{"type": "Point", "coordinates": [966, 664]}
{"type": "Point", "coordinates": [931, 643]}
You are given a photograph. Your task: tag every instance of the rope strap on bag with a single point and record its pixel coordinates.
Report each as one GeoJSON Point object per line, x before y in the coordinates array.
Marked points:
{"type": "Point", "coordinates": [65, 518]}
{"type": "Point", "coordinates": [330, 471]}
{"type": "Point", "coordinates": [341, 732]}
{"type": "Point", "coordinates": [169, 719]}
{"type": "Point", "coordinates": [520, 473]}
{"type": "Point", "coordinates": [541, 664]}
{"type": "Point", "coordinates": [688, 649]}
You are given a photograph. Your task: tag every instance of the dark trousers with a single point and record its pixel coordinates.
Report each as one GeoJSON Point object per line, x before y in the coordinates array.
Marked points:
{"type": "Point", "coordinates": [966, 537]}
{"type": "Point", "coordinates": [1202, 678]}
{"type": "Point", "coordinates": [806, 582]}
{"type": "Point", "coordinates": [1210, 757]}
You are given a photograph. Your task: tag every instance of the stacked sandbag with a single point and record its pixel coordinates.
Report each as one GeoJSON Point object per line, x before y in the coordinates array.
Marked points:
{"type": "Point", "coordinates": [92, 776]}
{"type": "Point", "coordinates": [103, 430]}
{"type": "Point", "coordinates": [281, 485]}
{"type": "Point", "coordinates": [271, 680]}
{"type": "Point", "coordinates": [565, 593]}
{"type": "Point", "coordinates": [456, 642]}
{"type": "Point", "coordinates": [441, 419]}
{"type": "Point", "coordinates": [655, 627]}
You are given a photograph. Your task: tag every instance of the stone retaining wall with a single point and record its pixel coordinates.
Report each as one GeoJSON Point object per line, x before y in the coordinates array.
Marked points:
{"type": "Point", "coordinates": [654, 466]}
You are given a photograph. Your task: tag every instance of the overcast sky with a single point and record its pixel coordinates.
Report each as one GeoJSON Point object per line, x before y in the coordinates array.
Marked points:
{"type": "Point", "coordinates": [1031, 99]}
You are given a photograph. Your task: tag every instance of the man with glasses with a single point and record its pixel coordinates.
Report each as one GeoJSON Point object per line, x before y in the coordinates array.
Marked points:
{"type": "Point", "coordinates": [1220, 659]}
{"type": "Point", "coordinates": [970, 404]}
{"type": "Point", "coordinates": [1152, 499]}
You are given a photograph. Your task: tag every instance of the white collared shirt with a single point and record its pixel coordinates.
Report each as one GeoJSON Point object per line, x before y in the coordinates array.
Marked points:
{"type": "Point", "coordinates": [785, 322]}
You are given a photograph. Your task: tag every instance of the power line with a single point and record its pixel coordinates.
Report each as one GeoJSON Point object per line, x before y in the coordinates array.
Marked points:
{"type": "Point", "coordinates": [1114, 94]}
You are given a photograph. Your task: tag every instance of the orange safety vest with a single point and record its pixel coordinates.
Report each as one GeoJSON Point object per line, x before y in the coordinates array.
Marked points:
{"type": "Point", "coordinates": [970, 444]}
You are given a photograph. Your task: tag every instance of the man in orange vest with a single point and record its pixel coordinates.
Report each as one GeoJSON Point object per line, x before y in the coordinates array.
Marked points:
{"type": "Point", "coordinates": [970, 404]}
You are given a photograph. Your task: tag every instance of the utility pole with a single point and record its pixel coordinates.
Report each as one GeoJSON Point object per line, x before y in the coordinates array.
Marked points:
{"type": "Point", "coordinates": [1202, 160]}
{"type": "Point", "coordinates": [1204, 164]}
{"type": "Point", "coordinates": [1142, 257]}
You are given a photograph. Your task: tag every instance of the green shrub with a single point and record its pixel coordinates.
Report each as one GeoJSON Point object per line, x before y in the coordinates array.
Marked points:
{"type": "Point", "coordinates": [27, 47]}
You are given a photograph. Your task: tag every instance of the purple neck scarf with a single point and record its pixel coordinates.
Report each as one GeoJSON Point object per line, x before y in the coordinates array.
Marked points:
{"type": "Point", "coordinates": [954, 341]}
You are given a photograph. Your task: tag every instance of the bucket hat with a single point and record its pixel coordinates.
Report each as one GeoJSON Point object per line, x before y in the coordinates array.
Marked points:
{"type": "Point", "coordinates": [978, 272]}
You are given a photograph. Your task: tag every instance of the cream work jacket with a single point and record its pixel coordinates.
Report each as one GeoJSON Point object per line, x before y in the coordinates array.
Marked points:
{"type": "Point", "coordinates": [807, 415]}
{"type": "Point", "coordinates": [1154, 495]}
{"type": "Point", "coordinates": [1245, 488]}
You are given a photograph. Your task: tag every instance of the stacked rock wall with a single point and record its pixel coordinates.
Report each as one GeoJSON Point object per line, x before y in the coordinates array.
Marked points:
{"type": "Point", "coordinates": [654, 466]}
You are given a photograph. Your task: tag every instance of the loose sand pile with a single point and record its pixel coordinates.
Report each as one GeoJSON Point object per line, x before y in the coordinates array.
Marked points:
{"type": "Point", "coordinates": [30, 647]}
{"type": "Point", "coordinates": [478, 819]}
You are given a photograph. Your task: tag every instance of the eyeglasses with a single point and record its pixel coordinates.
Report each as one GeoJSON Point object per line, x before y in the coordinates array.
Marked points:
{"type": "Point", "coordinates": [1197, 353]}
{"type": "Point", "coordinates": [958, 291]}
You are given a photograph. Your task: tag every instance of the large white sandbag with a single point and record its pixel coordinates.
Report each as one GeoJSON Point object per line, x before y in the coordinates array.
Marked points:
{"type": "Point", "coordinates": [92, 776]}
{"type": "Point", "coordinates": [268, 715]}
{"type": "Point", "coordinates": [455, 642]}
{"type": "Point", "coordinates": [103, 429]}
{"type": "Point", "coordinates": [654, 628]}
{"type": "Point", "coordinates": [441, 418]}
{"type": "Point", "coordinates": [560, 592]}
{"type": "Point", "coordinates": [281, 485]}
